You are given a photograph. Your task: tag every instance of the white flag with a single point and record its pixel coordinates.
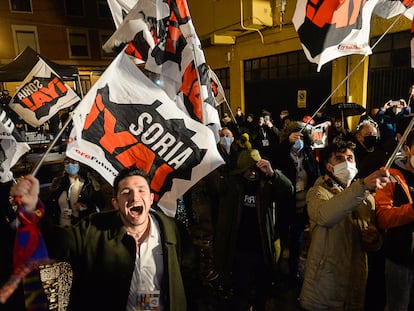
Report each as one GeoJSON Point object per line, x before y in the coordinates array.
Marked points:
{"type": "Point", "coordinates": [12, 146]}
{"type": "Point", "coordinates": [332, 29]}
{"type": "Point", "coordinates": [125, 120]}
{"type": "Point", "coordinates": [119, 9]}
{"type": "Point", "coordinates": [42, 94]}
{"type": "Point", "coordinates": [161, 35]}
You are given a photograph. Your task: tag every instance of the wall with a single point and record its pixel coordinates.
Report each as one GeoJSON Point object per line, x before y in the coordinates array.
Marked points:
{"type": "Point", "coordinates": [223, 15]}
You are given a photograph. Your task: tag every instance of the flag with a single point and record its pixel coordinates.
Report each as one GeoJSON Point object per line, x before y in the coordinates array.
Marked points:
{"type": "Point", "coordinates": [12, 146]}
{"type": "Point", "coordinates": [125, 120]}
{"type": "Point", "coordinates": [218, 91]}
{"type": "Point", "coordinates": [119, 9]}
{"type": "Point", "coordinates": [161, 34]}
{"type": "Point", "coordinates": [319, 134]}
{"type": "Point", "coordinates": [392, 8]}
{"type": "Point", "coordinates": [42, 94]}
{"type": "Point", "coordinates": [331, 29]}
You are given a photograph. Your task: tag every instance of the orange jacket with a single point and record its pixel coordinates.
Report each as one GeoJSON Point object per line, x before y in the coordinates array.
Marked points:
{"type": "Point", "coordinates": [395, 214]}
{"type": "Point", "coordinates": [389, 212]}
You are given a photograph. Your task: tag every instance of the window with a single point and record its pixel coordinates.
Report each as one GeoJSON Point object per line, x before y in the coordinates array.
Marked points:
{"type": "Point", "coordinates": [24, 36]}
{"type": "Point", "coordinates": [392, 51]}
{"type": "Point", "coordinates": [74, 7]}
{"type": "Point", "coordinates": [278, 66]}
{"type": "Point", "coordinates": [103, 9]}
{"type": "Point", "coordinates": [78, 44]}
{"type": "Point", "coordinates": [21, 5]}
{"type": "Point", "coordinates": [103, 37]}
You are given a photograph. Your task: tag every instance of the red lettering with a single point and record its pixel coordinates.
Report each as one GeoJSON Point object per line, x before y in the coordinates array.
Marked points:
{"type": "Point", "coordinates": [53, 86]}
{"type": "Point", "coordinates": [110, 140]}
{"type": "Point", "coordinates": [138, 155]}
{"type": "Point", "coordinates": [28, 103]}
{"type": "Point", "coordinates": [159, 177]}
{"type": "Point", "coordinates": [38, 99]}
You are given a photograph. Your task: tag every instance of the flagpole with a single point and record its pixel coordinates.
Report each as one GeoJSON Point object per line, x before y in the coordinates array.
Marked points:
{"type": "Point", "coordinates": [224, 95]}
{"type": "Point", "coordinates": [400, 143]}
{"type": "Point", "coordinates": [52, 144]}
{"type": "Point", "coordinates": [353, 69]}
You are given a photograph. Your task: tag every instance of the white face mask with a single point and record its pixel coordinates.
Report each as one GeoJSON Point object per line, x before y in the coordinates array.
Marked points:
{"type": "Point", "coordinates": [345, 172]}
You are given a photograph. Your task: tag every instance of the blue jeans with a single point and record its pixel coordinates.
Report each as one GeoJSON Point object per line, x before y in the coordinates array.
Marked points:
{"type": "Point", "coordinates": [398, 282]}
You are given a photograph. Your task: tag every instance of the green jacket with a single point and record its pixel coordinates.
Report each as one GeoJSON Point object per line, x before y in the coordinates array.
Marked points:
{"type": "Point", "coordinates": [102, 256]}
{"type": "Point", "coordinates": [230, 192]}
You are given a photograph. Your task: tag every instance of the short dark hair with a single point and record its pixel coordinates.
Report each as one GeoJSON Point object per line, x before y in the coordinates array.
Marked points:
{"type": "Point", "coordinates": [128, 172]}
{"type": "Point", "coordinates": [338, 146]}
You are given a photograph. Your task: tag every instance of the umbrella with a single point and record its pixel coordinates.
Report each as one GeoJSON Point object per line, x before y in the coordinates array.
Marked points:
{"type": "Point", "coordinates": [344, 110]}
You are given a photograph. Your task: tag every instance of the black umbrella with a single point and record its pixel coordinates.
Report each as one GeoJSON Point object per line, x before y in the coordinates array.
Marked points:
{"type": "Point", "coordinates": [344, 110]}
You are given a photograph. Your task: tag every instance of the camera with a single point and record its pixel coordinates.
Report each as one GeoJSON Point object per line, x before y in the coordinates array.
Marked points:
{"type": "Point", "coordinates": [395, 103]}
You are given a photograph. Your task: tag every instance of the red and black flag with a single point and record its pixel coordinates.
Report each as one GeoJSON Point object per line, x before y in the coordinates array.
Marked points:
{"type": "Point", "coordinates": [125, 120]}
{"type": "Point", "coordinates": [41, 95]}
{"type": "Point", "coordinates": [329, 29]}
{"type": "Point", "coordinates": [161, 35]}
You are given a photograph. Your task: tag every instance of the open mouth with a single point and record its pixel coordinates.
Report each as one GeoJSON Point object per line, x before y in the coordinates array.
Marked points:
{"type": "Point", "coordinates": [136, 210]}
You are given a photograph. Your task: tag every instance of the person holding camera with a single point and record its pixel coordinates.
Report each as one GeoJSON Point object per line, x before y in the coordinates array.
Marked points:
{"type": "Point", "coordinates": [74, 195]}
{"type": "Point", "coordinates": [392, 112]}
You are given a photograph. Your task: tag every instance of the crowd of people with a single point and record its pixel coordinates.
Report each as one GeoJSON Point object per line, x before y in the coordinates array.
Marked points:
{"type": "Point", "coordinates": [273, 188]}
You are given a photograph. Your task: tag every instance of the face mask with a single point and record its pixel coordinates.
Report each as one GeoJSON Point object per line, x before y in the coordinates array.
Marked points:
{"type": "Point", "coordinates": [370, 141]}
{"type": "Point", "coordinates": [72, 168]}
{"type": "Point", "coordinates": [345, 172]}
{"type": "Point", "coordinates": [297, 146]}
{"type": "Point", "coordinates": [225, 142]}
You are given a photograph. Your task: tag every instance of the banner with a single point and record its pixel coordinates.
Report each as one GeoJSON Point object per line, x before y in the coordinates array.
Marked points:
{"type": "Point", "coordinates": [125, 120]}
{"type": "Point", "coordinates": [332, 29]}
{"type": "Point", "coordinates": [12, 146]}
{"type": "Point", "coordinates": [42, 94]}
{"type": "Point", "coordinates": [119, 9]}
{"type": "Point", "coordinates": [392, 8]}
{"type": "Point", "coordinates": [319, 134]}
{"type": "Point", "coordinates": [161, 34]}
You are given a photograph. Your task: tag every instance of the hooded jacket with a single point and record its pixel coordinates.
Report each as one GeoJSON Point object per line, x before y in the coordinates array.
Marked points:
{"type": "Point", "coordinates": [336, 266]}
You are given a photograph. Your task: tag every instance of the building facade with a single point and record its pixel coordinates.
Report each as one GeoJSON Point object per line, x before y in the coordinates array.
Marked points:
{"type": "Point", "coordinates": [69, 32]}
{"type": "Point", "coordinates": [254, 45]}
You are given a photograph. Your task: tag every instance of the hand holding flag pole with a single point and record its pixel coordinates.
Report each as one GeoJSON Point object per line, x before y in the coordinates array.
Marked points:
{"type": "Point", "coordinates": [400, 143]}
{"type": "Point", "coordinates": [29, 255]}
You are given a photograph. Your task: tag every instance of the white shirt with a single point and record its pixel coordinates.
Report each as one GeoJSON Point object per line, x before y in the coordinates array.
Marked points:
{"type": "Point", "coordinates": [148, 272]}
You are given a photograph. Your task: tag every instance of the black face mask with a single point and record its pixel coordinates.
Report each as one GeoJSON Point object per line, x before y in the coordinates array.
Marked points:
{"type": "Point", "coordinates": [370, 141]}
